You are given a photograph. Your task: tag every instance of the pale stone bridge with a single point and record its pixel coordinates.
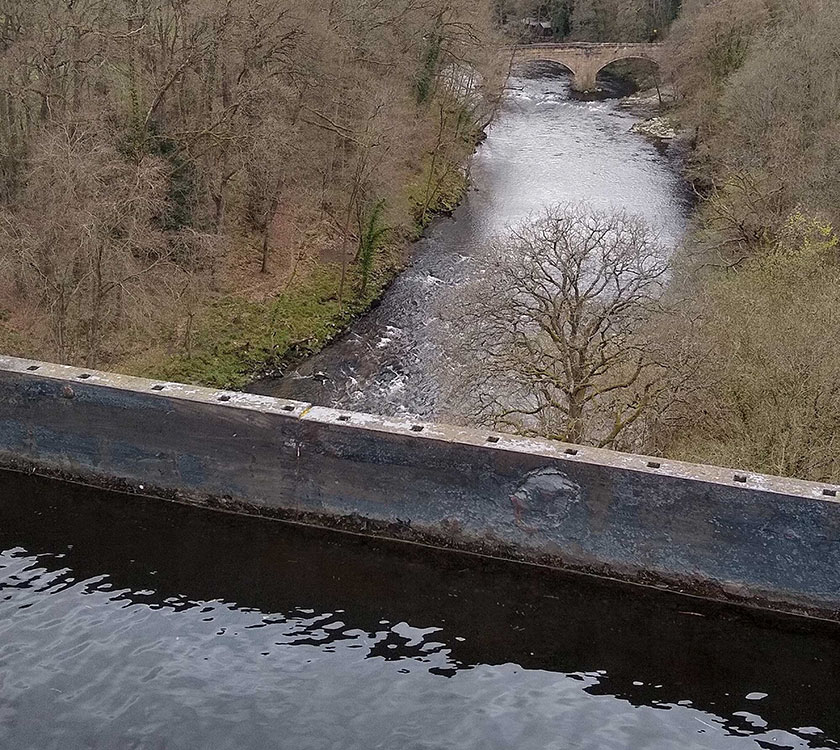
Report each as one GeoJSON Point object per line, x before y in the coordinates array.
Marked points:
{"type": "Point", "coordinates": [584, 59]}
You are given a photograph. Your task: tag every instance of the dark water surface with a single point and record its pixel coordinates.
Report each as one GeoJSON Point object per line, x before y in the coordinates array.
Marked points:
{"type": "Point", "coordinates": [544, 148]}
{"type": "Point", "coordinates": [133, 623]}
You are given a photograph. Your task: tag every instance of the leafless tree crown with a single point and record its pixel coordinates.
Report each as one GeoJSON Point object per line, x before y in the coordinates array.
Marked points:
{"type": "Point", "coordinates": [555, 325]}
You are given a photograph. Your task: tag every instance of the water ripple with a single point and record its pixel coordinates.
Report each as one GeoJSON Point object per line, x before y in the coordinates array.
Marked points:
{"type": "Point", "coordinates": [127, 623]}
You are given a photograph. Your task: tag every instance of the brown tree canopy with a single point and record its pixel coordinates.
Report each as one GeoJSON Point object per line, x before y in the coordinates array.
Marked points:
{"type": "Point", "coordinates": [758, 87]}
{"type": "Point", "coordinates": [244, 141]}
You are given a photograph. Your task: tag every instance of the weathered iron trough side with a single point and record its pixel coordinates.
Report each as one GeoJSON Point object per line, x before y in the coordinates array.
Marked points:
{"type": "Point", "coordinates": [728, 535]}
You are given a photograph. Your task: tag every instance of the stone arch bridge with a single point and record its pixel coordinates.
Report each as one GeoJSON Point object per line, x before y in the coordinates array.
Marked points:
{"type": "Point", "coordinates": [585, 60]}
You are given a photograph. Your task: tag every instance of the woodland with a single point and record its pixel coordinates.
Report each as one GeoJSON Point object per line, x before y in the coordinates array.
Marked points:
{"type": "Point", "coordinates": [201, 189]}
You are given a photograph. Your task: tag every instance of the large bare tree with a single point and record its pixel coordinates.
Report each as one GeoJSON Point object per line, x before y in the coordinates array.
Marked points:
{"type": "Point", "coordinates": [561, 327]}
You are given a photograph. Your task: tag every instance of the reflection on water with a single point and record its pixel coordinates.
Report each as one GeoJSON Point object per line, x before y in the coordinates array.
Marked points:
{"type": "Point", "coordinates": [128, 623]}
{"type": "Point", "coordinates": [544, 148]}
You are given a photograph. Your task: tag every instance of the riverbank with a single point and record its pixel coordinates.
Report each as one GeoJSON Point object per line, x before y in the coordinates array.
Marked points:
{"type": "Point", "coordinates": [238, 337]}
{"type": "Point", "coordinates": [149, 216]}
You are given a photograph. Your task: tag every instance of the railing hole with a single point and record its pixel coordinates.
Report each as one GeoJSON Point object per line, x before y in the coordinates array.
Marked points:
{"type": "Point", "coordinates": [224, 398]}
{"type": "Point", "coordinates": [830, 493]}
{"type": "Point", "coordinates": [654, 465]}
{"type": "Point", "coordinates": [417, 428]}
{"type": "Point", "coordinates": [83, 376]}
{"type": "Point", "coordinates": [158, 387]}
{"type": "Point", "coordinates": [32, 368]}
{"type": "Point", "coordinates": [571, 451]}
{"type": "Point", "coordinates": [288, 407]}
{"type": "Point", "coordinates": [492, 439]}
{"type": "Point", "coordinates": [742, 478]}
{"type": "Point", "coordinates": [344, 418]}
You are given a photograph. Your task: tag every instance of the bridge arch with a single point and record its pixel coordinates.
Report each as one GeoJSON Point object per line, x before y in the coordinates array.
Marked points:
{"type": "Point", "coordinates": [622, 58]}
{"type": "Point", "coordinates": [586, 60]}
{"type": "Point", "coordinates": [559, 65]}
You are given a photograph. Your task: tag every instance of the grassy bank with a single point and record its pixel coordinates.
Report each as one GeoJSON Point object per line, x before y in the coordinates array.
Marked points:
{"type": "Point", "coordinates": [234, 340]}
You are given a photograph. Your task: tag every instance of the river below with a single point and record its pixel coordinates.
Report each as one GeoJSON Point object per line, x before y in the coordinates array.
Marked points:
{"type": "Point", "coordinates": [134, 623]}
{"type": "Point", "coordinates": [545, 147]}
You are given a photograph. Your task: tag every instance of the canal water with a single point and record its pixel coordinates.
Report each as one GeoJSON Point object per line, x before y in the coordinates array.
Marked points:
{"type": "Point", "coordinates": [134, 623]}
{"type": "Point", "coordinates": [545, 147]}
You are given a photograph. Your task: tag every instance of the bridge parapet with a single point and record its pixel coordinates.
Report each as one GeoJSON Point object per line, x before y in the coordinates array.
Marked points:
{"type": "Point", "coordinates": [715, 532]}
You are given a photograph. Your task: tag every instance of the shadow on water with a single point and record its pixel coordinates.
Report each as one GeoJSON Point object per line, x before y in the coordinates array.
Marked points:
{"type": "Point", "coordinates": [742, 674]}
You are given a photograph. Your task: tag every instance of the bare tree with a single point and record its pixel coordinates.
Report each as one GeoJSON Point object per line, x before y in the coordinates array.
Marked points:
{"type": "Point", "coordinates": [97, 259]}
{"type": "Point", "coordinates": [561, 326]}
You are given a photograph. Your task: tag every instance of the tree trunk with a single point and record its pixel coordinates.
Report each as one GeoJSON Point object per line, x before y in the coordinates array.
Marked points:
{"type": "Point", "coordinates": [360, 167]}
{"type": "Point", "coordinates": [266, 246]}
{"type": "Point", "coordinates": [577, 398]}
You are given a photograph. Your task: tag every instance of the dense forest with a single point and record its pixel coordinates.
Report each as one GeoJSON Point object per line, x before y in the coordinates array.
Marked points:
{"type": "Point", "coordinates": [758, 282]}
{"type": "Point", "coordinates": [589, 20]}
{"type": "Point", "coordinates": [195, 188]}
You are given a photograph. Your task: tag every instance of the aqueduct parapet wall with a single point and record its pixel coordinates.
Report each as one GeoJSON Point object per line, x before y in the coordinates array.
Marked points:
{"type": "Point", "coordinates": [720, 533]}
